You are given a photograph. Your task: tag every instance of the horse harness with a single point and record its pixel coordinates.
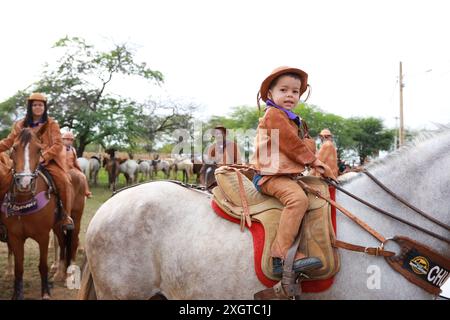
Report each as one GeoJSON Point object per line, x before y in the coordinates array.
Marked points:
{"type": "Point", "coordinates": [418, 263]}
{"type": "Point", "coordinates": [19, 209]}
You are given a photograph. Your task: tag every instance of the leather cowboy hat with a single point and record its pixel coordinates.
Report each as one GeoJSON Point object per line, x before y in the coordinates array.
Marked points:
{"type": "Point", "coordinates": [36, 96]}
{"type": "Point", "coordinates": [68, 135]}
{"type": "Point", "coordinates": [265, 85]}
{"type": "Point", "coordinates": [325, 133]}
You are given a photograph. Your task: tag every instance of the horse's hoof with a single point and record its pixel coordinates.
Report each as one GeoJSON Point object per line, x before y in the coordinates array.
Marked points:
{"type": "Point", "coordinates": [46, 296]}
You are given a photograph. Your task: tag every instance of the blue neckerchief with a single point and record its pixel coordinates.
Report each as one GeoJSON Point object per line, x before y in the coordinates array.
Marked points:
{"type": "Point", "coordinates": [291, 115]}
{"type": "Point", "coordinates": [35, 124]}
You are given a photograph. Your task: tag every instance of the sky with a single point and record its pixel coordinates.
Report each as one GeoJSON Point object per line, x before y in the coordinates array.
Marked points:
{"type": "Point", "coordinates": [217, 53]}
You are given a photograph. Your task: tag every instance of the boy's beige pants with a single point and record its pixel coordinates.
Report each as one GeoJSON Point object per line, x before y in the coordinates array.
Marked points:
{"type": "Point", "coordinates": [295, 202]}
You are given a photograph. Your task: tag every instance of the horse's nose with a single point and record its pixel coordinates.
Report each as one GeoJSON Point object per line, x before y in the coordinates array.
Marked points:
{"type": "Point", "coordinates": [24, 182]}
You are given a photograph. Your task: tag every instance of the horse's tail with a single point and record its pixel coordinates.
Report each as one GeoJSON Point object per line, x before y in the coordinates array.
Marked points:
{"type": "Point", "coordinates": [87, 288]}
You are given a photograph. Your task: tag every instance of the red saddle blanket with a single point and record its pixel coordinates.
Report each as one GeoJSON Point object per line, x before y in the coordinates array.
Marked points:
{"type": "Point", "coordinates": [257, 231]}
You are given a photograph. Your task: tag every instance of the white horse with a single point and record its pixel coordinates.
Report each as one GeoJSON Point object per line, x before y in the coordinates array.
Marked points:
{"type": "Point", "coordinates": [173, 244]}
{"type": "Point", "coordinates": [146, 168]}
{"type": "Point", "coordinates": [94, 168]}
{"type": "Point", "coordinates": [84, 166]}
{"type": "Point", "coordinates": [129, 168]}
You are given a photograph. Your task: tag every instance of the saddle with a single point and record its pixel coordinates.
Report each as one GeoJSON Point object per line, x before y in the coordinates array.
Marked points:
{"type": "Point", "coordinates": [317, 233]}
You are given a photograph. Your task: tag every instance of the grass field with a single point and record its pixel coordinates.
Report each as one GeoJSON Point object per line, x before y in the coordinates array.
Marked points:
{"type": "Point", "coordinates": [32, 286]}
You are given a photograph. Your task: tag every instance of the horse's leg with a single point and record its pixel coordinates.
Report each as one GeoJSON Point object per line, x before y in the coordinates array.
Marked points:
{"type": "Point", "coordinates": [54, 266]}
{"type": "Point", "coordinates": [9, 273]}
{"type": "Point", "coordinates": [60, 274]}
{"type": "Point", "coordinates": [18, 249]}
{"type": "Point", "coordinates": [43, 267]}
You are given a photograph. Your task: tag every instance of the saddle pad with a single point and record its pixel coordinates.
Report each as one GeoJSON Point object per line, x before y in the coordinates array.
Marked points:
{"type": "Point", "coordinates": [258, 235]}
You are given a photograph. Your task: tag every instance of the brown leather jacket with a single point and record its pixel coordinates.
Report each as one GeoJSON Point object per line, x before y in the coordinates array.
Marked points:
{"type": "Point", "coordinates": [50, 135]}
{"type": "Point", "coordinates": [231, 155]}
{"type": "Point", "coordinates": [328, 155]}
{"type": "Point", "coordinates": [289, 155]}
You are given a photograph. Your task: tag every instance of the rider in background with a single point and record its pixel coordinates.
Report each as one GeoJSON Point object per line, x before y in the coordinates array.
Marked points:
{"type": "Point", "coordinates": [52, 156]}
{"type": "Point", "coordinates": [71, 158]}
{"type": "Point", "coordinates": [327, 153]}
{"type": "Point", "coordinates": [223, 152]}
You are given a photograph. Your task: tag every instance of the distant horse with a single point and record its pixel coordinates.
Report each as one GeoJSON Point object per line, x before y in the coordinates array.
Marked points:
{"type": "Point", "coordinates": [186, 167]}
{"type": "Point", "coordinates": [112, 166]}
{"type": "Point", "coordinates": [162, 165]}
{"type": "Point", "coordinates": [129, 168]}
{"type": "Point", "coordinates": [84, 166]}
{"type": "Point", "coordinates": [29, 212]}
{"type": "Point", "coordinates": [94, 168]}
{"type": "Point", "coordinates": [173, 244]}
{"type": "Point", "coordinates": [146, 169]}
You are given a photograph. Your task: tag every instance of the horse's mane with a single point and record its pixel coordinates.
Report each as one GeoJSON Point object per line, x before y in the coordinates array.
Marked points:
{"type": "Point", "coordinates": [418, 141]}
{"type": "Point", "coordinates": [25, 136]}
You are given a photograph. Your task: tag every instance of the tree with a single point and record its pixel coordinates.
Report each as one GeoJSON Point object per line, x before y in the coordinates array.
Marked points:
{"type": "Point", "coordinates": [162, 118]}
{"type": "Point", "coordinates": [370, 136]}
{"type": "Point", "coordinates": [78, 92]}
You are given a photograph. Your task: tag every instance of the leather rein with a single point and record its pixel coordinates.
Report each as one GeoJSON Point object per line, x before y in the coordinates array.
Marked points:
{"type": "Point", "coordinates": [390, 192]}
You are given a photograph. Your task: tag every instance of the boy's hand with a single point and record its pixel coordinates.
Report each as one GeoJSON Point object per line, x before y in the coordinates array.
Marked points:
{"type": "Point", "coordinates": [324, 170]}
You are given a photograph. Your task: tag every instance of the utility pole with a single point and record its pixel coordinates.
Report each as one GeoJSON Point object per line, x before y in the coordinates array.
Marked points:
{"type": "Point", "coordinates": [401, 138]}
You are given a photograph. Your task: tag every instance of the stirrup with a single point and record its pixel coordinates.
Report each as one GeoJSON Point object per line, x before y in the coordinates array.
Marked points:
{"type": "Point", "coordinates": [68, 226]}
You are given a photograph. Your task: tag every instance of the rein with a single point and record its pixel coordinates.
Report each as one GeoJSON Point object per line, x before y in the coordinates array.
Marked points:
{"type": "Point", "coordinates": [435, 235]}
{"type": "Point", "coordinates": [406, 203]}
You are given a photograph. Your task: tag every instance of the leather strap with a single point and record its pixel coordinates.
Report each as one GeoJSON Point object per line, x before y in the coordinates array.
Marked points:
{"type": "Point", "coordinates": [406, 203]}
{"type": "Point", "coordinates": [245, 217]}
{"type": "Point", "coordinates": [433, 234]}
{"type": "Point", "coordinates": [373, 251]}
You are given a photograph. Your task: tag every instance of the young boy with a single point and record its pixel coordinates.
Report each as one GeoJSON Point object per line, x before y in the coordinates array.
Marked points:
{"type": "Point", "coordinates": [71, 157]}
{"type": "Point", "coordinates": [281, 154]}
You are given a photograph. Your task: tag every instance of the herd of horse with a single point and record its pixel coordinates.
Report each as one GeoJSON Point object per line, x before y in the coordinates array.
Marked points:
{"type": "Point", "coordinates": [146, 169]}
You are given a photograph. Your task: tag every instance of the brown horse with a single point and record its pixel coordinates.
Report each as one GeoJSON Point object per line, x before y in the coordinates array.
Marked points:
{"type": "Point", "coordinates": [29, 211]}
{"type": "Point", "coordinates": [112, 166]}
{"type": "Point", "coordinates": [78, 203]}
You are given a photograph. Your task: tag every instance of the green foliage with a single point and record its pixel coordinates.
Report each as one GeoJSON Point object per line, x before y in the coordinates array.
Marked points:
{"type": "Point", "coordinates": [10, 111]}
{"type": "Point", "coordinates": [370, 136]}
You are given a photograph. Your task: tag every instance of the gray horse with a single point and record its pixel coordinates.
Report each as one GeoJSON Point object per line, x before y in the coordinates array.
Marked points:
{"type": "Point", "coordinates": [172, 238]}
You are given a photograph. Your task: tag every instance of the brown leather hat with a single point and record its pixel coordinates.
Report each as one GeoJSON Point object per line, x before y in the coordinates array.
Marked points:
{"type": "Point", "coordinates": [265, 85]}
{"type": "Point", "coordinates": [37, 97]}
{"type": "Point", "coordinates": [68, 135]}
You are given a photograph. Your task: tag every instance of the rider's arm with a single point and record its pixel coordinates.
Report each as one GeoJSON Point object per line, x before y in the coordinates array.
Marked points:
{"type": "Point", "coordinates": [8, 142]}
{"type": "Point", "coordinates": [55, 149]}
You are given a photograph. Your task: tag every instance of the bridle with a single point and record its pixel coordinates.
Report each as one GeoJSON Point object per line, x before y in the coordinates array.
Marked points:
{"type": "Point", "coordinates": [17, 177]}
